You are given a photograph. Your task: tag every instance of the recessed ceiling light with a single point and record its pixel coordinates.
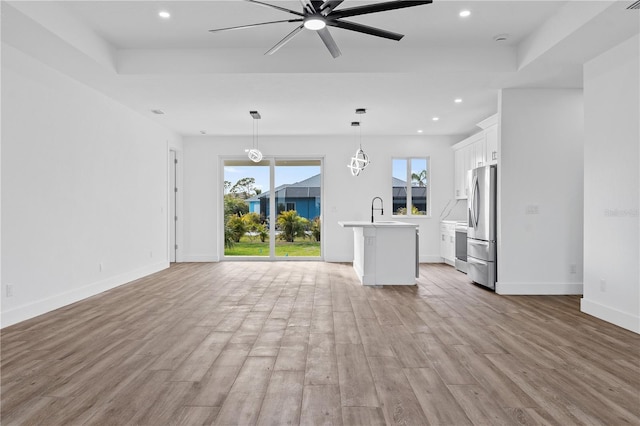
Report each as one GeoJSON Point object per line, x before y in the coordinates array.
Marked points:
{"type": "Point", "coordinates": [465, 13]}
{"type": "Point", "coordinates": [157, 111]}
{"type": "Point", "coordinates": [203, 132]}
{"type": "Point", "coordinates": [501, 37]}
{"type": "Point", "coordinates": [458, 101]}
{"type": "Point", "coordinates": [436, 118]}
{"type": "Point", "coordinates": [164, 14]}
{"type": "Point", "coordinates": [419, 131]}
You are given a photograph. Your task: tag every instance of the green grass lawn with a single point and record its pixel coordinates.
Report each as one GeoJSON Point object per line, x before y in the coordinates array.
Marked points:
{"type": "Point", "coordinates": [246, 247]}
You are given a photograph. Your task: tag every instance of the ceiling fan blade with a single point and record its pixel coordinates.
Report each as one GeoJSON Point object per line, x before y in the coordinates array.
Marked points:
{"type": "Point", "coordinates": [240, 27]}
{"type": "Point", "coordinates": [328, 40]}
{"type": "Point", "coordinates": [284, 9]}
{"type": "Point", "coordinates": [284, 41]}
{"type": "Point", "coordinates": [377, 7]}
{"type": "Point", "coordinates": [328, 6]}
{"type": "Point", "coordinates": [352, 26]}
{"type": "Point", "coordinates": [317, 4]}
{"type": "Point", "coordinates": [308, 6]}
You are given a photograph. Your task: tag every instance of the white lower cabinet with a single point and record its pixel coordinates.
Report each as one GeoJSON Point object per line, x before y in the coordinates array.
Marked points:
{"type": "Point", "coordinates": [448, 242]}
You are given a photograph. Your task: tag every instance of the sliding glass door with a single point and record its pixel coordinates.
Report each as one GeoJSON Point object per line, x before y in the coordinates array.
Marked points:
{"type": "Point", "coordinates": [272, 209]}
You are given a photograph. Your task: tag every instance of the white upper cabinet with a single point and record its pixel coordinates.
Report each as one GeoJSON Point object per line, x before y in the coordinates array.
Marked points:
{"type": "Point", "coordinates": [460, 167]}
{"type": "Point", "coordinates": [477, 150]}
{"type": "Point", "coordinates": [480, 147]}
{"type": "Point", "coordinates": [492, 144]}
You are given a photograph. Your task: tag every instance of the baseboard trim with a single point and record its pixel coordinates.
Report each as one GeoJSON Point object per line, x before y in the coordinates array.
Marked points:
{"type": "Point", "coordinates": [430, 259]}
{"type": "Point", "coordinates": [531, 289]}
{"type": "Point", "coordinates": [39, 307]}
{"type": "Point", "coordinates": [200, 258]}
{"type": "Point", "coordinates": [611, 315]}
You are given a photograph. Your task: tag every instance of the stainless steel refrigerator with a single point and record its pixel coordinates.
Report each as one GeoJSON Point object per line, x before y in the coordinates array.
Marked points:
{"type": "Point", "coordinates": [481, 233]}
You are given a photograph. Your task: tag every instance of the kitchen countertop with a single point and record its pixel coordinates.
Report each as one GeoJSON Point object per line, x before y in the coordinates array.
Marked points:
{"type": "Point", "coordinates": [380, 224]}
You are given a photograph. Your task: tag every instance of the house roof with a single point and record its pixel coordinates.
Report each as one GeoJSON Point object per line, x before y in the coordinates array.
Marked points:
{"type": "Point", "coordinates": [310, 187]}
{"type": "Point", "coordinates": [306, 188]}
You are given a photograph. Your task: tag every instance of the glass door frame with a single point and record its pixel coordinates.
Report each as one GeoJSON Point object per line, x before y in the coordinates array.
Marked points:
{"type": "Point", "coordinates": [272, 207]}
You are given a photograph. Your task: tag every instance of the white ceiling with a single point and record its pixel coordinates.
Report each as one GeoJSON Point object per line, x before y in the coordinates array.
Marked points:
{"type": "Point", "coordinates": [210, 81]}
{"type": "Point", "coordinates": [136, 25]}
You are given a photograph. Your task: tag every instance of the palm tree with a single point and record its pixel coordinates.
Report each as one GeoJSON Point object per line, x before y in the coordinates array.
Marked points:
{"type": "Point", "coordinates": [291, 225]}
{"type": "Point", "coordinates": [420, 178]}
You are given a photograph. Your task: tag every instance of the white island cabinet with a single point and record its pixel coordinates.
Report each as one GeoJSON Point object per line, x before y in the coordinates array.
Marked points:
{"type": "Point", "coordinates": [385, 253]}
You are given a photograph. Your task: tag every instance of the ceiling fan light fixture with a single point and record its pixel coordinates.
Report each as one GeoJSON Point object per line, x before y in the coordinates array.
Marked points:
{"type": "Point", "coordinates": [314, 23]}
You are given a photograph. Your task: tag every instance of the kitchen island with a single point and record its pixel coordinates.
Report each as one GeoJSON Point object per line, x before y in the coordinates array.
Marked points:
{"type": "Point", "coordinates": [385, 253]}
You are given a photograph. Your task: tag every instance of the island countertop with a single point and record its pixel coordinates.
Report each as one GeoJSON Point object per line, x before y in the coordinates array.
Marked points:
{"type": "Point", "coordinates": [380, 224]}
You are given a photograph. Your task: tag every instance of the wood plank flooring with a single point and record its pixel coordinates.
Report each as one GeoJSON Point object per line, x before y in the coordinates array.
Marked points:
{"type": "Point", "coordinates": [285, 343]}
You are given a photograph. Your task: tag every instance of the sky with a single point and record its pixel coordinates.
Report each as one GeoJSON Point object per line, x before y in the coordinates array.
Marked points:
{"type": "Point", "coordinates": [400, 167]}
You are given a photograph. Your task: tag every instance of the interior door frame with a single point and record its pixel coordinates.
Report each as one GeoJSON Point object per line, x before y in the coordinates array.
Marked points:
{"type": "Point", "coordinates": [272, 208]}
{"type": "Point", "coordinates": [174, 212]}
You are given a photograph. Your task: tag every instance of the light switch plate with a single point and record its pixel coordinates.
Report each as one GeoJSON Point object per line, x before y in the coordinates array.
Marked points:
{"type": "Point", "coordinates": [532, 209]}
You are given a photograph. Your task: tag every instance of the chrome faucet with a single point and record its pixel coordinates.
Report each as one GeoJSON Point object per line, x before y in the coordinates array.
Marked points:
{"type": "Point", "coordinates": [381, 207]}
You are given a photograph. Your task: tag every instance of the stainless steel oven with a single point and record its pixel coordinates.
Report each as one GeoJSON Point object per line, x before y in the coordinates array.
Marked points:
{"type": "Point", "coordinates": [461, 247]}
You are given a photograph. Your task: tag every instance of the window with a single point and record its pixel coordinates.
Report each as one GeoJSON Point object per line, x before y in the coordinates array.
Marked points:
{"type": "Point", "coordinates": [272, 209]}
{"type": "Point", "coordinates": [286, 207]}
{"type": "Point", "coordinates": [410, 186]}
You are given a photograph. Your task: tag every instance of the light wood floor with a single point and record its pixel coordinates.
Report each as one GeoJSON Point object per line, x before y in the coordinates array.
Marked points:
{"type": "Point", "coordinates": [304, 343]}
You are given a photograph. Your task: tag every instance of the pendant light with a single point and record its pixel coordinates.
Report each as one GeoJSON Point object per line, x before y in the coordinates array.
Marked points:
{"type": "Point", "coordinates": [254, 153]}
{"type": "Point", "coordinates": [360, 160]}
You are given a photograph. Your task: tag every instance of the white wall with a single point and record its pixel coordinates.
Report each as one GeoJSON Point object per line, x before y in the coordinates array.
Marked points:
{"type": "Point", "coordinates": [84, 183]}
{"type": "Point", "coordinates": [345, 197]}
{"type": "Point", "coordinates": [612, 186]}
{"type": "Point", "coordinates": [541, 166]}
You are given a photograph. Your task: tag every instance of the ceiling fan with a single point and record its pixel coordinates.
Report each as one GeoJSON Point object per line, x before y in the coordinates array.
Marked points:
{"type": "Point", "coordinates": [317, 15]}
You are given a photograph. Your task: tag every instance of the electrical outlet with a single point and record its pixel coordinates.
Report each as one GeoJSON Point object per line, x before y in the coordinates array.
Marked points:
{"type": "Point", "coordinates": [573, 268]}
{"type": "Point", "coordinates": [603, 285]}
{"type": "Point", "coordinates": [9, 290]}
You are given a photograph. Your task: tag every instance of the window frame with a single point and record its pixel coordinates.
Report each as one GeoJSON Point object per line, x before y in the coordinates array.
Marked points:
{"type": "Point", "coordinates": [408, 188]}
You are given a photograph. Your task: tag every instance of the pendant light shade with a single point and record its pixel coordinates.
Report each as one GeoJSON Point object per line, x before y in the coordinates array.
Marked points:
{"type": "Point", "coordinates": [360, 160]}
{"type": "Point", "coordinates": [254, 153]}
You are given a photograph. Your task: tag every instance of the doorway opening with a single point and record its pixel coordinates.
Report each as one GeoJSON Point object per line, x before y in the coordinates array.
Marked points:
{"type": "Point", "coordinates": [272, 209]}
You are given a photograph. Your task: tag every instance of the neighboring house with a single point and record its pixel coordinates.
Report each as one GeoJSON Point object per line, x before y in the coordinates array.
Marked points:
{"type": "Point", "coordinates": [418, 195]}
{"type": "Point", "coordinates": [303, 197]}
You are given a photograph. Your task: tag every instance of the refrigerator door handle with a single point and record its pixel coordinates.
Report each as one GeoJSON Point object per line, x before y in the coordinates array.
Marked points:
{"type": "Point", "coordinates": [475, 188]}
{"type": "Point", "coordinates": [472, 220]}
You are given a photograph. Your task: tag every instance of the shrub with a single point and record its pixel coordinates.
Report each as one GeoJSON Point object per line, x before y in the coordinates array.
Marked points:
{"type": "Point", "coordinates": [403, 211]}
{"type": "Point", "coordinates": [251, 222]}
{"type": "Point", "coordinates": [315, 228]}
{"type": "Point", "coordinates": [237, 227]}
{"type": "Point", "coordinates": [291, 225]}
{"type": "Point", "coordinates": [229, 241]}
{"type": "Point", "coordinates": [263, 232]}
